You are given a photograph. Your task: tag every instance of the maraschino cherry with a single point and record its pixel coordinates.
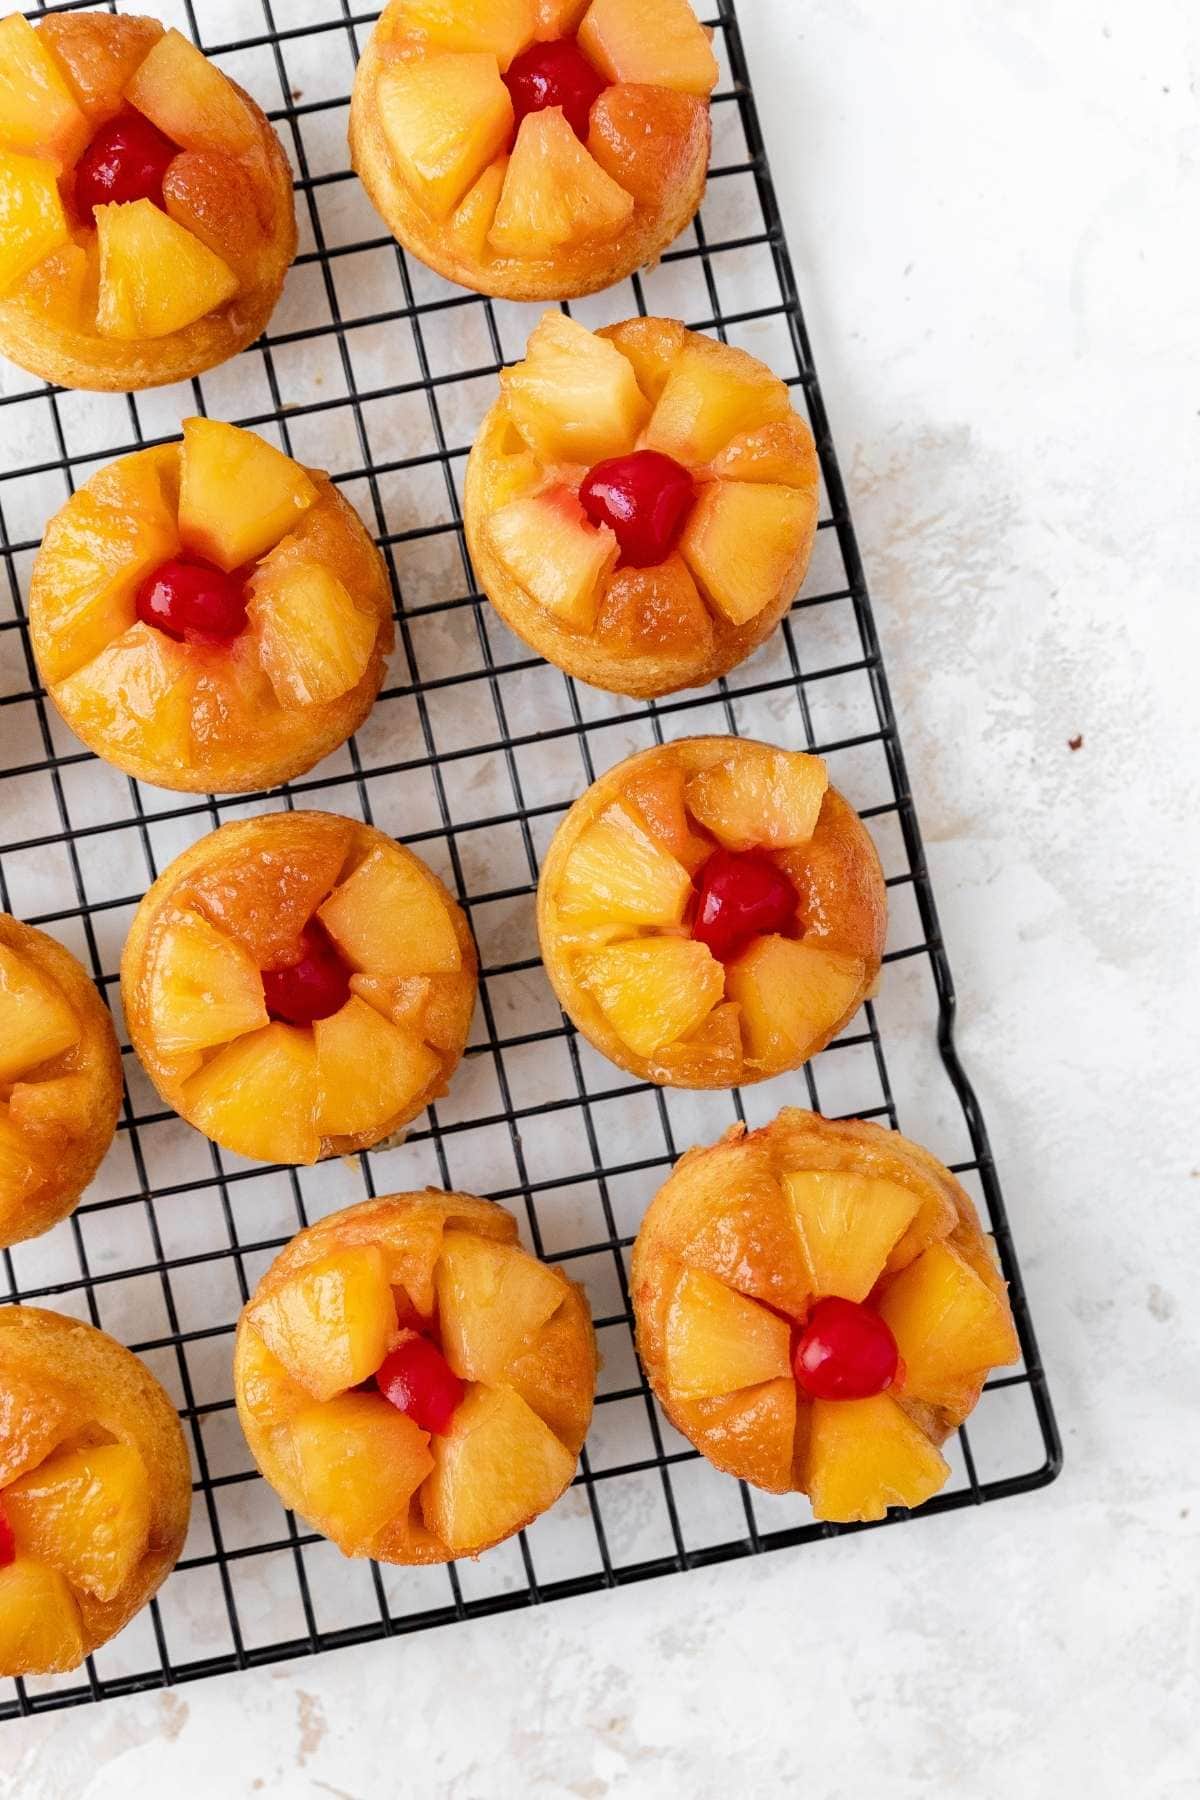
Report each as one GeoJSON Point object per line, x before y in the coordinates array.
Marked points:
{"type": "Point", "coordinates": [313, 987]}
{"type": "Point", "coordinates": [555, 74]}
{"type": "Point", "coordinates": [127, 160]}
{"type": "Point", "coordinates": [743, 894]}
{"type": "Point", "coordinates": [8, 1543]}
{"type": "Point", "coordinates": [645, 498]}
{"type": "Point", "coordinates": [193, 601]}
{"type": "Point", "coordinates": [418, 1380]}
{"type": "Point", "coordinates": [845, 1352]}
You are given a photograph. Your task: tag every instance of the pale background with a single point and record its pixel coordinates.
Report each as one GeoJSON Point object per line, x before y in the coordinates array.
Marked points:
{"type": "Point", "coordinates": [993, 209]}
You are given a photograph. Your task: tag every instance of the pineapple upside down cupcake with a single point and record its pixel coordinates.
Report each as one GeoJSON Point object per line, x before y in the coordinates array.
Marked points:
{"type": "Point", "coordinates": [210, 616]}
{"type": "Point", "coordinates": [641, 503]}
{"type": "Point", "coordinates": [146, 212]}
{"type": "Point", "coordinates": [298, 986]}
{"type": "Point", "coordinates": [534, 149]}
{"type": "Point", "coordinates": [711, 912]}
{"type": "Point", "coordinates": [817, 1309]}
{"type": "Point", "coordinates": [95, 1490]}
{"type": "Point", "coordinates": [60, 1081]}
{"type": "Point", "coordinates": [411, 1381]}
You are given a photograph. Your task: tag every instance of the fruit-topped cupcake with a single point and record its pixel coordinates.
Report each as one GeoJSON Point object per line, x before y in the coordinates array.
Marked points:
{"type": "Point", "coordinates": [146, 212]}
{"type": "Point", "coordinates": [210, 616]}
{"type": "Point", "coordinates": [95, 1490]}
{"type": "Point", "coordinates": [411, 1381]}
{"type": "Point", "coordinates": [298, 986]}
{"type": "Point", "coordinates": [712, 912]}
{"type": "Point", "coordinates": [60, 1081]}
{"type": "Point", "coordinates": [534, 149]}
{"type": "Point", "coordinates": [641, 503]}
{"type": "Point", "coordinates": [817, 1309]}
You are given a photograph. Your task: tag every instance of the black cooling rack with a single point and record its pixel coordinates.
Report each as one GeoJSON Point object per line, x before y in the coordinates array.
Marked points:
{"type": "Point", "coordinates": [379, 371]}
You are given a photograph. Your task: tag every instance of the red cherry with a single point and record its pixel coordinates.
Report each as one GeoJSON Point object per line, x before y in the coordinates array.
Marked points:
{"type": "Point", "coordinates": [126, 160]}
{"type": "Point", "coordinates": [645, 497]}
{"type": "Point", "coordinates": [742, 895]}
{"type": "Point", "coordinates": [187, 598]}
{"type": "Point", "coordinates": [556, 74]}
{"type": "Point", "coordinates": [845, 1352]}
{"type": "Point", "coordinates": [8, 1543]}
{"type": "Point", "coordinates": [418, 1380]}
{"type": "Point", "coordinates": [314, 986]}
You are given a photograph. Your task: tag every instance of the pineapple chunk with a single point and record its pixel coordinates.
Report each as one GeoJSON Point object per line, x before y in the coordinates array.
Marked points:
{"type": "Point", "coordinates": [445, 119]}
{"type": "Point", "coordinates": [36, 1022]}
{"type": "Point", "coordinates": [500, 27]}
{"type": "Point", "coordinates": [847, 1223]}
{"type": "Point", "coordinates": [431, 1007]}
{"type": "Point", "coordinates": [866, 1455]}
{"type": "Point", "coordinates": [87, 1514]}
{"type": "Point", "coordinates": [238, 495]}
{"type": "Point", "coordinates": [472, 221]}
{"type": "Point", "coordinates": [264, 1387]}
{"type": "Point", "coordinates": [330, 1324]}
{"type": "Point", "coordinates": [32, 211]}
{"type": "Point", "coordinates": [390, 918]}
{"type": "Point", "coordinates": [656, 792]}
{"type": "Point", "coordinates": [654, 990]}
{"type": "Point", "coordinates": [155, 277]}
{"type": "Point", "coordinates": [556, 196]}
{"type": "Point", "coordinates": [39, 115]}
{"type": "Point", "coordinates": [659, 42]}
{"type": "Point", "coordinates": [369, 1069]}
{"type": "Point", "coordinates": [730, 1219]}
{"type": "Point", "coordinates": [495, 1471]}
{"type": "Point", "coordinates": [137, 694]}
{"type": "Point", "coordinates": [358, 1463]}
{"type": "Point", "coordinates": [793, 996]}
{"type": "Point", "coordinates": [205, 990]}
{"type": "Point", "coordinates": [717, 1341]}
{"type": "Point", "coordinates": [18, 1172]}
{"type": "Point", "coordinates": [650, 346]}
{"type": "Point", "coordinates": [41, 1632]}
{"type": "Point", "coordinates": [760, 798]}
{"type": "Point", "coordinates": [616, 873]}
{"type": "Point", "coordinates": [191, 100]}
{"type": "Point", "coordinates": [63, 288]}
{"type": "Point", "coordinates": [575, 398]}
{"type": "Point", "coordinates": [710, 1056]}
{"type": "Point", "coordinates": [259, 1096]}
{"type": "Point", "coordinates": [713, 392]}
{"type": "Point", "coordinates": [947, 1322]}
{"type": "Point", "coordinates": [655, 612]}
{"type": "Point", "coordinates": [782, 453]}
{"type": "Point", "coordinates": [743, 542]}
{"type": "Point", "coordinates": [213, 198]}
{"type": "Point", "coordinates": [265, 892]}
{"type": "Point", "coordinates": [649, 140]}
{"type": "Point", "coordinates": [491, 1298]}
{"type": "Point", "coordinates": [99, 56]}
{"type": "Point", "coordinates": [555, 1372]}
{"type": "Point", "coordinates": [316, 644]}
{"type": "Point", "coordinates": [55, 1108]}
{"type": "Point", "coordinates": [752, 1431]}
{"type": "Point", "coordinates": [546, 544]}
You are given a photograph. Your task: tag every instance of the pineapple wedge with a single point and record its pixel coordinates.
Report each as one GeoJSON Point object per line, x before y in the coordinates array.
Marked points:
{"type": "Point", "coordinates": [41, 1632]}
{"type": "Point", "coordinates": [491, 1298]}
{"type": "Point", "coordinates": [86, 1513]}
{"type": "Point", "coordinates": [717, 1341]}
{"type": "Point", "coordinates": [575, 398]}
{"type": "Point", "coordinates": [155, 277]}
{"type": "Point", "coordinates": [793, 996]}
{"type": "Point", "coordinates": [743, 541]}
{"type": "Point", "coordinates": [99, 54]}
{"type": "Point", "coordinates": [651, 347]}
{"type": "Point", "coordinates": [357, 1462]}
{"type": "Point", "coordinates": [867, 1455]}
{"type": "Point", "coordinates": [659, 42]}
{"type": "Point", "coordinates": [137, 694]}
{"type": "Point", "coordinates": [259, 1096]}
{"type": "Point", "coordinates": [947, 1322]}
{"type": "Point", "coordinates": [315, 642]}
{"type": "Point", "coordinates": [616, 873]}
{"type": "Point", "coordinates": [445, 119]}
{"type": "Point", "coordinates": [369, 1069]}
{"type": "Point", "coordinates": [760, 799]}
{"type": "Point", "coordinates": [330, 1324]}
{"type": "Point", "coordinates": [500, 27]}
{"type": "Point", "coordinates": [191, 100]}
{"type": "Point", "coordinates": [390, 918]}
{"type": "Point", "coordinates": [39, 115]}
{"type": "Point", "coordinates": [653, 991]}
{"type": "Point", "coordinates": [238, 495]}
{"type": "Point", "coordinates": [495, 1471]}
{"type": "Point", "coordinates": [848, 1224]}
{"type": "Point", "coordinates": [206, 989]}
{"type": "Point", "coordinates": [32, 210]}
{"type": "Point", "coordinates": [556, 196]}
{"type": "Point", "coordinates": [547, 546]}
{"type": "Point", "coordinates": [36, 1024]}
{"type": "Point", "coordinates": [713, 392]}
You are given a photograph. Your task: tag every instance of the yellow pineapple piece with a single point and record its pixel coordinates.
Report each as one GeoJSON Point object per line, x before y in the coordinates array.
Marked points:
{"type": "Point", "coordinates": [652, 991]}
{"type": "Point", "coordinates": [743, 541]}
{"type": "Point", "coordinates": [259, 1096]}
{"type": "Point", "coordinates": [473, 219]}
{"type": "Point", "coordinates": [866, 1455]}
{"type": "Point", "coordinates": [556, 196]}
{"type": "Point", "coordinates": [155, 277]}
{"type": "Point", "coordinates": [315, 642]}
{"type": "Point", "coordinates": [369, 1069]}
{"type": "Point", "coordinates": [753, 1430]}
{"type": "Point", "coordinates": [651, 346]}
{"type": "Point", "coordinates": [947, 1322]}
{"type": "Point", "coordinates": [137, 694]}
{"type": "Point", "coordinates": [546, 543]}
{"type": "Point", "coordinates": [759, 799]}
{"type": "Point", "coordinates": [32, 211]}
{"type": "Point", "coordinates": [847, 1223]}
{"type": "Point", "coordinates": [718, 1341]}
{"type": "Point", "coordinates": [41, 1632]}
{"type": "Point", "coordinates": [494, 1472]}
{"type": "Point", "coordinates": [501, 27]}
{"type": "Point", "coordinates": [358, 1463]}
{"type": "Point", "coordinates": [656, 612]}
{"type": "Point", "coordinates": [783, 453]}
{"type": "Point", "coordinates": [649, 139]}
{"type": "Point", "coordinates": [191, 100]}
{"type": "Point", "coordinates": [330, 1324]}
{"type": "Point", "coordinates": [390, 918]}
{"type": "Point", "coordinates": [39, 115]}
{"type": "Point", "coordinates": [238, 495]}
{"type": "Point", "coordinates": [263, 1384]}
{"type": "Point", "coordinates": [792, 996]}
{"type": "Point", "coordinates": [713, 392]}
{"type": "Point", "coordinates": [36, 1023]}
{"type": "Point", "coordinates": [86, 1513]}
{"type": "Point", "coordinates": [658, 42]}
{"type": "Point", "coordinates": [491, 1298]}
{"type": "Point", "coordinates": [445, 119]}
{"type": "Point", "coordinates": [205, 989]}
{"type": "Point", "coordinates": [63, 287]}
{"type": "Point", "coordinates": [99, 55]}
{"type": "Point", "coordinates": [616, 873]}
{"type": "Point", "coordinates": [575, 398]}
{"type": "Point", "coordinates": [264, 894]}
{"type": "Point", "coordinates": [730, 1218]}
{"type": "Point", "coordinates": [656, 793]}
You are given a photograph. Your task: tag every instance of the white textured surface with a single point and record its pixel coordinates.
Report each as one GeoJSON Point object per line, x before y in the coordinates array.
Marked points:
{"type": "Point", "coordinates": [993, 212]}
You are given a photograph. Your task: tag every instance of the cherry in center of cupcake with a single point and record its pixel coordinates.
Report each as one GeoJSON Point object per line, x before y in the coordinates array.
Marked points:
{"type": "Point", "coordinates": [418, 1380]}
{"type": "Point", "coordinates": [742, 895]}
{"type": "Point", "coordinates": [127, 160]}
{"type": "Point", "coordinates": [644, 498]}
{"type": "Point", "coordinates": [845, 1352]}
{"type": "Point", "coordinates": [193, 601]}
{"type": "Point", "coordinates": [315, 986]}
{"type": "Point", "coordinates": [555, 74]}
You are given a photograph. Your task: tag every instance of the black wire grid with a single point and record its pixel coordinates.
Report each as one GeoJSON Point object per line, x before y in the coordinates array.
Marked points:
{"type": "Point", "coordinates": [380, 371]}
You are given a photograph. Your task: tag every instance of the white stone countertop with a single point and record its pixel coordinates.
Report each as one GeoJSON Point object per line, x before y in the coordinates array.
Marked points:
{"type": "Point", "coordinates": [993, 209]}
